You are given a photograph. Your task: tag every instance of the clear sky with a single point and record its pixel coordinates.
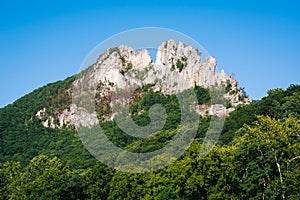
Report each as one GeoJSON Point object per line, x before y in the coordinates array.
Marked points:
{"type": "Point", "coordinates": [46, 41]}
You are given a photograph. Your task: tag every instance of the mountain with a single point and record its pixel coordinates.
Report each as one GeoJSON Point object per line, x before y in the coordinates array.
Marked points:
{"type": "Point", "coordinates": [43, 157]}
{"type": "Point", "coordinates": [177, 68]}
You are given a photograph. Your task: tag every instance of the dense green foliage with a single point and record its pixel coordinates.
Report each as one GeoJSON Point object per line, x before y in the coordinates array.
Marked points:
{"type": "Point", "coordinates": [257, 156]}
{"type": "Point", "coordinates": [278, 104]}
{"type": "Point", "coordinates": [22, 137]}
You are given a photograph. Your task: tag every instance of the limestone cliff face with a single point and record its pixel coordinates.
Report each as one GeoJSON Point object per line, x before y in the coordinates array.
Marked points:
{"type": "Point", "coordinates": [177, 67]}
{"type": "Point", "coordinates": [194, 70]}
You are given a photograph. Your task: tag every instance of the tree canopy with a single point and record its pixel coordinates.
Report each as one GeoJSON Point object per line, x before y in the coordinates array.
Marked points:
{"type": "Point", "coordinates": [257, 157]}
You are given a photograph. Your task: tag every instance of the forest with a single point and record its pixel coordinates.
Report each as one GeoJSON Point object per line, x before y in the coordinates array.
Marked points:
{"type": "Point", "coordinates": [257, 155]}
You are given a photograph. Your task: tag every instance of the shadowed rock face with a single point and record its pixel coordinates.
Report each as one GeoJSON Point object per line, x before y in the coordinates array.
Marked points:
{"type": "Point", "coordinates": [177, 67]}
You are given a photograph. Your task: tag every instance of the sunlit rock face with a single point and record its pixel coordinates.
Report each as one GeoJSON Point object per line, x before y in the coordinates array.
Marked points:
{"type": "Point", "coordinates": [177, 67]}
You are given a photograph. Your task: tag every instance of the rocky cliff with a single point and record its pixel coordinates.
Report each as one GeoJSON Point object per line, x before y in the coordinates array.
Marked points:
{"type": "Point", "coordinates": [177, 67]}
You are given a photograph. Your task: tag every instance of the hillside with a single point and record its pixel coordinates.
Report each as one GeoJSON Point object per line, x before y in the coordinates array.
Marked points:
{"type": "Point", "coordinates": [177, 68]}
{"type": "Point", "coordinates": [42, 156]}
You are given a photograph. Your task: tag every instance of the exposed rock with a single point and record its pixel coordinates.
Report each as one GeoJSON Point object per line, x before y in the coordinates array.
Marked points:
{"type": "Point", "coordinates": [83, 118]}
{"type": "Point", "coordinates": [40, 113]}
{"type": "Point", "coordinates": [218, 110]}
{"type": "Point", "coordinates": [65, 117]}
{"type": "Point", "coordinates": [177, 67]}
{"type": "Point", "coordinates": [68, 118]}
{"type": "Point", "coordinates": [49, 123]}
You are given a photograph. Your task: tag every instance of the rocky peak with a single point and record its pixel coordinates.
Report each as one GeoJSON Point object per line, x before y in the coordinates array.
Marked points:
{"type": "Point", "coordinates": [169, 52]}
{"type": "Point", "coordinates": [177, 67]}
{"type": "Point", "coordinates": [120, 56]}
{"type": "Point", "coordinates": [188, 61]}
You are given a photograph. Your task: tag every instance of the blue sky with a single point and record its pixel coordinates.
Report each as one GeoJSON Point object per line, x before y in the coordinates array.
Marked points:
{"type": "Point", "coordinates": [46, 41]}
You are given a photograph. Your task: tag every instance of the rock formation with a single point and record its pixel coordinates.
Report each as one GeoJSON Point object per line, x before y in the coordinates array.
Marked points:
{"type": "Point", "coordinates": [177, 67]}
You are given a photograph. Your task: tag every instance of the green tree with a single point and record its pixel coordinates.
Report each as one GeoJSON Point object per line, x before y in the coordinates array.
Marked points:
{"type": "Point", "coordinates": [46, 178]}
{"type": "Point", "coordinates": [268, 159]}
{"type": "Point", "coordinates": [9, 172]}
{"type": "Point", "coordinates": [126, 186]}
{"type": "Point", "coordinates": [97, 181]}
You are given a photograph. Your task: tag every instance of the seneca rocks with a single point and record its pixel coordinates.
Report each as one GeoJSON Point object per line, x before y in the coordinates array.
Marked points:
{"type": "Point", "coordinates": [177, 67]}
